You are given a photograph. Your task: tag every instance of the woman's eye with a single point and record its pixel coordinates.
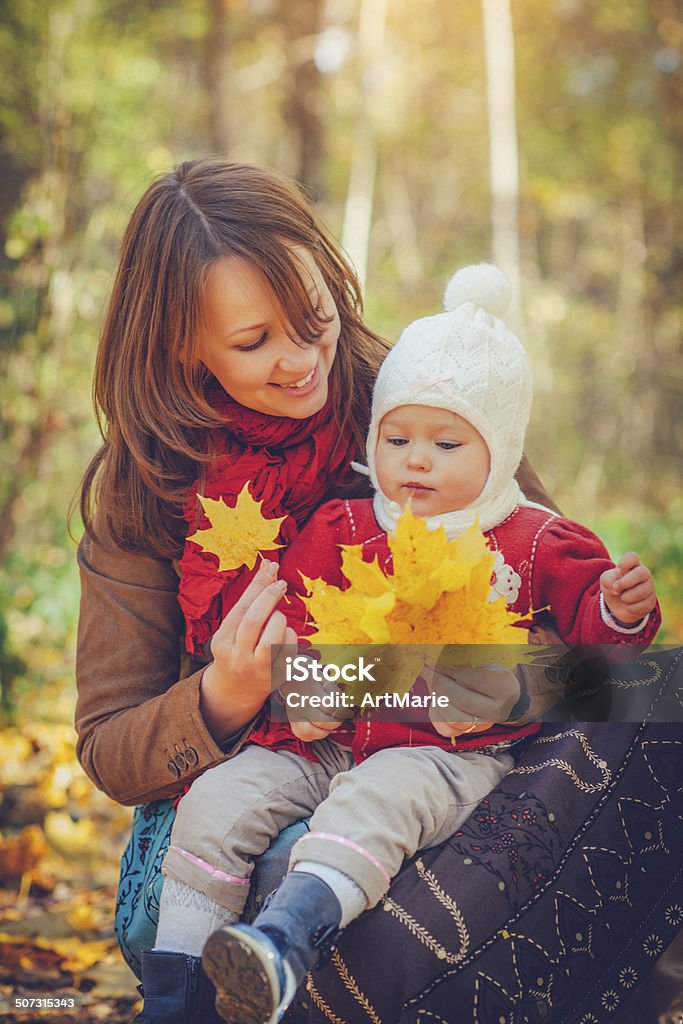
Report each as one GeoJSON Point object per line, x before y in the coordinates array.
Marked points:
{"type": "Point", "coordinates": [317, 310]}
{"type": "Point", "coordinates": [257, 344]}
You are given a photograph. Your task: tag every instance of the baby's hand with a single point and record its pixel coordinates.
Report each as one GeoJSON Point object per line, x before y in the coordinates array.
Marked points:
{"type": "Point", "coordinates": [314, 723]}
{"type": "Point", "coordinates": [628, 590]}
{"type": "Point", "coordinates": [319, 730]}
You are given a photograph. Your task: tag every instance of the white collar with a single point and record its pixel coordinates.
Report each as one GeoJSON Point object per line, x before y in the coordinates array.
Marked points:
{"type": "Point", "coordinates": [489, 511]}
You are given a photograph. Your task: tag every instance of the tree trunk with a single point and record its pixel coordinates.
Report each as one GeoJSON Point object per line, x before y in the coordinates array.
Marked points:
{"type": "Point", "coordinates": [46, 272]}
{"type": "Point", "coordinates": [404, 232]}
{"type": "Point", "coordinates": [217, 75]}
{"type": "Point", "coordinates": [303, 104]}
{"type": "Point", "coordinates": [360, 195]}
{"type": "Point", "coordinates": [503, 152]}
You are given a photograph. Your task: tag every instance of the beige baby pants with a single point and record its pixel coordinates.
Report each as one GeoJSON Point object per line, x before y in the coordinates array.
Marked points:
{"type": "Point", "coordinates": [366, 818]}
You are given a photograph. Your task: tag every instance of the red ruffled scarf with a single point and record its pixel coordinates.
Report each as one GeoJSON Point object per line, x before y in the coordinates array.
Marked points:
{"type": "Point", "coordinates": [293, 466]}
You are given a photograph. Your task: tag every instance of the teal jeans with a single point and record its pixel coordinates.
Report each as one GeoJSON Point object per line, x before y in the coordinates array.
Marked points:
{"type": "Point", "coordinates": [137, 902]}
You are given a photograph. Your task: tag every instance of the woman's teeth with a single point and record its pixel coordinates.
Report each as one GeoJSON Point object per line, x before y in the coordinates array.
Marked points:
{"type": "Point", "coordinates": [300, 383]}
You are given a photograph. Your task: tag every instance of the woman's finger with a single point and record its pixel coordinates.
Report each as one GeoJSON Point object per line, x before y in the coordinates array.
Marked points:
{"type": "Point", "coordinates": [463, 704]}
{"type": "Point", "coordinates": [483, 692]}
{"type": "Point", "coordinates": [483, 679]}
{"type": "Point", "coordinates": [254, 618]}
{"type": "Point", "coordinates": [273, 631]}
{"type": "Point", "coordinates": [289, 639]}
{"type": "Point", "coordinates": [266, 575]}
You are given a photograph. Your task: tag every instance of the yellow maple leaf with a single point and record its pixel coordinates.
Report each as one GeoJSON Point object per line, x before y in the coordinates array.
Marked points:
{"type": "Point", "coordinates": [237, 535]}
{"type": "Point", "coordinates": [438, 595]}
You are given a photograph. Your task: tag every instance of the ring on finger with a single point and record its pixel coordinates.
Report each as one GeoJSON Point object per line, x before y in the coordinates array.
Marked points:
{"type": "Point", "coordinates": [471, 725]}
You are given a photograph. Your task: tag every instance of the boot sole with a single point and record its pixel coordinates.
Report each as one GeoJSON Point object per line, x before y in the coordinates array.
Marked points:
{"type": "Point", "coordinates": [247, 986]}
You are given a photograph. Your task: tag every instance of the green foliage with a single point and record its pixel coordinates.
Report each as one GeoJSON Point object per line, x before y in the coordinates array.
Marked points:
{"type": "Point", "coordinates": [659, 542]}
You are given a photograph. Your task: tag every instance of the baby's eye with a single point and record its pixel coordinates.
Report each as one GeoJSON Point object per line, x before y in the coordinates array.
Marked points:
{"type": "Point", "coordinates": [257, 344]}
{"type": "Point", "coordinates": [447, 446]}
{"type": "Point", "coordinates": [398, 442]}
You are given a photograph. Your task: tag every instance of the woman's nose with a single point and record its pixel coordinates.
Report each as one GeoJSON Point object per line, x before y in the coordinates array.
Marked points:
{"type": "Point", "coordinates": [296, 358]}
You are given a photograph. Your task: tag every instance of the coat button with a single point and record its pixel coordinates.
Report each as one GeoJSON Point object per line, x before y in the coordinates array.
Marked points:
{"type": "Point", "coordinates": [181, 763]}
{"type": "Point", "coordinates": [173, 769]}
{"type": "Point", "coordinates": [557, 674]}
{"type": "Point", "coordinates": [191, 756]}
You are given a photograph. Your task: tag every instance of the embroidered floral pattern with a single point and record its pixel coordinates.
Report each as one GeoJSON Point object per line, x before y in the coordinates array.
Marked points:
{"type": "Point", "coordinates": [653, 945]}
{"type": "Point", "coordinates": [610, 1000]}
{"type": "Point", "coordinates": [137, 902]}
{"type": "Point", "coordinates": [505, 582]}
{"type": "Point", "coordinates": [673, 915]}
{"type": "Point", "coordinates": [514, 839]}
{"type": "Point", "coordinates": [628, 976]}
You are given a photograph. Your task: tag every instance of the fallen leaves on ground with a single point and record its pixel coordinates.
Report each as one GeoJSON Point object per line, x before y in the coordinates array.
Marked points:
{"type": "Point", "coordinates": [60, 847]}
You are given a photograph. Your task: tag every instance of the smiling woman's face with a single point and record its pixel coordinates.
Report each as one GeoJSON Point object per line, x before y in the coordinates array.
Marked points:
{"type": "Point", "coordinates": [247, 346]}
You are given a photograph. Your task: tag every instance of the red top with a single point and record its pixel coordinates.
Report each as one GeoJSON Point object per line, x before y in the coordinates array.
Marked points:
{"type": "Point", "coordinates": [545, 560]}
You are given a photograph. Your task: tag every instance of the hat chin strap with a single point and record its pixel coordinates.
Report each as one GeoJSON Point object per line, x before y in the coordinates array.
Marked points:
{"type": "Point", "coordinates": [490, 511]}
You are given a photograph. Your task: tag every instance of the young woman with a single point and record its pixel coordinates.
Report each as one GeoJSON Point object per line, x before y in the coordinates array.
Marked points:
{"type": "Point", "coordinates": [234, 331]}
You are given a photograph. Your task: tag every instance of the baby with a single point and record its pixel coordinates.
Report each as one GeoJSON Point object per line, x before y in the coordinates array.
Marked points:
{"type": "Point", "coordinates": [450, 409]}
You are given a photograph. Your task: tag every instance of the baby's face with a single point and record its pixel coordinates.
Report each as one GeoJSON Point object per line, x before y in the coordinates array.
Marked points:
{"type": "Point", "coordinates": [432, 456]}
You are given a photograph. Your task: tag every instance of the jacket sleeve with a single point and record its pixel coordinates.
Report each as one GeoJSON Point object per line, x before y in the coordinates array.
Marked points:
{"type": "Point", "coordinates": [134, 715]}
{"type": "Point", "coordinates": [566, 572]}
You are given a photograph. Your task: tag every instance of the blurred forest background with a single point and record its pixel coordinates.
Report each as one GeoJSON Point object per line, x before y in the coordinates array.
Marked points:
{"type": "Point", "coordinates": [547, 134]}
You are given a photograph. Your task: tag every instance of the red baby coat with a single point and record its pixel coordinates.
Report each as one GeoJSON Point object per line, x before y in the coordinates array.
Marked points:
{"type": "Point", "coordinates": [544, 559]}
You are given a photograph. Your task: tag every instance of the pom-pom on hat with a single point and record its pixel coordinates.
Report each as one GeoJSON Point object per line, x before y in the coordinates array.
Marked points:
{"type": "Point", "coordinates": [483, 285]}
{"type": "Point", "coordinates": [469, 361]}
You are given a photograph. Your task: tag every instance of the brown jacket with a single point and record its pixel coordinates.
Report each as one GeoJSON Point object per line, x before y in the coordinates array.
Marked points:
{"type": "Point", "coordinates": [141, 735]}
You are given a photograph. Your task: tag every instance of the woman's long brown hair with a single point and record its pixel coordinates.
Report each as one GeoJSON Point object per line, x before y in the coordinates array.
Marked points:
{"type": "Point", "coordinates": [152, 407]}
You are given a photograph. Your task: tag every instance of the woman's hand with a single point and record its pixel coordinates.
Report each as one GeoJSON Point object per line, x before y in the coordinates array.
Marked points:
{"type": "Point", "coordinates": [238, 681]}
{"type": "Point", "coordinates": [477, 697]}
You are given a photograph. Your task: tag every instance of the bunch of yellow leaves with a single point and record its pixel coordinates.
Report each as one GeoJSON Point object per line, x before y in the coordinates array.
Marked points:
{"type": "Point", "coordinates": [438, 594]}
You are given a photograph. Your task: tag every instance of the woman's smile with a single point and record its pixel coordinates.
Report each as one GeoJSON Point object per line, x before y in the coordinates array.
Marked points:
{"type": "Point", "coordinates": [304, 386]}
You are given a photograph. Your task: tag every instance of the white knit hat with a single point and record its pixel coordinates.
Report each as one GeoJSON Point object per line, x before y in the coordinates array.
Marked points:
{"type": "Point", "coordinates": [469, 361]}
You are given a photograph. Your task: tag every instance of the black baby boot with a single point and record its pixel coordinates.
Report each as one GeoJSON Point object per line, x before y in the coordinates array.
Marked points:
{"type": "Point", "coordinates": [257, 968]}
{"type": "Point", "coordinates": [176, 990]}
